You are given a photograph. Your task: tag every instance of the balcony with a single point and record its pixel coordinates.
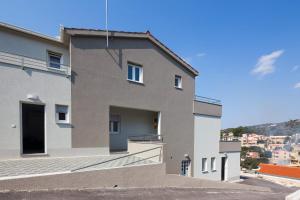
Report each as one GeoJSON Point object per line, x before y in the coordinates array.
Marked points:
{"type": "Point", "coordinates": [229, 146]}
{"type": "Point", "coordinates": [32, 63]}
{"type": "Point", "coordinates": [207, 106]}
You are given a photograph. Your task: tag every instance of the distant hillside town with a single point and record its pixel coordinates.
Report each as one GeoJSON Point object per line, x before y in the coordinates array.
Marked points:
{"type": "Point", "coordinates": [277, 144]}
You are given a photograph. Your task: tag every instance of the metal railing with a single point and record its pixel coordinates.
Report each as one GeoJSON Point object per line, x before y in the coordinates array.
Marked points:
{"type": "Point", "coordinates": [207, 100]}
{"type": "Point", "coordinates": [126, 156]}
{"type": "Point", "coordinates": [32, 63]}
{"type": "Point", "coordinates": [146, 137]}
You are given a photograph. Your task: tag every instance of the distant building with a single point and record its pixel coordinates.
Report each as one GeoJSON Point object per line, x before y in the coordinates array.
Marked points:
{"type": "Point", "coordinates": [253, 140]}
{"type": "Point", "coordinates": [252, 154]}
{"type": "Point", "coordinates": [277, 139]}
{"type": "Point", "coordinates": [281, 157]}
{"type": "Point", "coordinates": [295, 155]}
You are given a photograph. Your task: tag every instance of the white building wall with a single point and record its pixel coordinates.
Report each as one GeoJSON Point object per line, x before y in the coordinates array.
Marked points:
{"type": "Point", "coordinates": [19, 44]}
{"type": "Point", "coordinates": [207, 136]}
{"type": "Point", "coordinates": [232, 170]}
{"type": "Point", "coordinates": [52, 89]}
{"type": "Point", "coordinates": [16, 83]}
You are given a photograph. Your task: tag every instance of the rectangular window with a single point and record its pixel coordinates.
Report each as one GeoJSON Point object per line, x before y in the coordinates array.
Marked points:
{"type": "Point", "coordinates": [178, 81]}
{"type": "Point", "coordinates": [114, 124]}
{"type": "Point", "coordinates": [135, 73]}
{"type": "Point", "coordinates": [54, 60]}
{"type": "Point", "coordinates": [62, 114]}
{"type": "Point", "coordinates": [213, 164]}
{"type": "Point", "coordinates": [204, 164]}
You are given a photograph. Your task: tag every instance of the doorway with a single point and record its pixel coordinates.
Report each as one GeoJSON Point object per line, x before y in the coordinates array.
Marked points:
{"type": "Point", "coordinates": [33, 128]}
{"type": "Point", "coordinates": [223, 166]}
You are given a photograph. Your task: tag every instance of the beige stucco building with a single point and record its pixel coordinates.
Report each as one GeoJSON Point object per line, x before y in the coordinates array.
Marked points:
{"type": "Point", "coordinates": [77, 96]}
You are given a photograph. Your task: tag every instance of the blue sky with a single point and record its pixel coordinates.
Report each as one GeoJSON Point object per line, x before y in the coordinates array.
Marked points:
{"type": "Point", "coordinates": [247, 52]}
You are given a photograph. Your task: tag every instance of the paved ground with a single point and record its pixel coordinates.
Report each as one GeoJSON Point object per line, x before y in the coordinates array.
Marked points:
{"type": "Point", "coordinates": [145, 194]}
{"type": "Point", "coordinates": [33, 166]}
{"type": "Point", "coordinates": [273, 186]}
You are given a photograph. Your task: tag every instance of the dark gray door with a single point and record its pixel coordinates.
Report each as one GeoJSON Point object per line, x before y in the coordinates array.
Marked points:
{"type": "Point", "coordinates": [33, 128]}
{"type": "Point", "coordinates": [223, 168]}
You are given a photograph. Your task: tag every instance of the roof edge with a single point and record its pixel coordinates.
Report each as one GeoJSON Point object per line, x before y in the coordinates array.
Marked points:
{"type": "Point", "coordinates": [29, 32]}
{"type": "Point", "coordinates": [142, 35]}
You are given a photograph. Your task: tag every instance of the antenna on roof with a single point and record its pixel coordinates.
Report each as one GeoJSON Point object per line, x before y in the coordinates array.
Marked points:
{"type": "Point", "coordinates": [106, 22]}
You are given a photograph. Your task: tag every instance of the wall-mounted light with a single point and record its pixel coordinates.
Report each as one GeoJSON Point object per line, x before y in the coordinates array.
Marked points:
{"type": "Point", "coordinates": [33, 97]}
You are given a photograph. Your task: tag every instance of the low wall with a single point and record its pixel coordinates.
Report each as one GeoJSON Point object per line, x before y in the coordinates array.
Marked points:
{"type": "Point", "coordinates": [278, 170]}
{"type": "Point", "coordinates": [155, 155]}
{"type": "Point", "coordinates": [137, 176]}
{"type": "Point", "coordinates": [230, 146]}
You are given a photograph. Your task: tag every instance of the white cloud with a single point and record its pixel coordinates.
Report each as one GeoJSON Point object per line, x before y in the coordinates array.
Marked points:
{"type": "Point", "coordinates": [295, 68]}
{"type": "Point", "coordinates": [297, 86]}
{"type": "Point", "coordinates": [201, 54]}
{"type": "Point", "coordinates": [265, 64]}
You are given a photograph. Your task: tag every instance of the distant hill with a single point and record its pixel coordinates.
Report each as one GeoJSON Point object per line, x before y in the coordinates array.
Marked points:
{"type": "Point", "coordinates": [283, 128]}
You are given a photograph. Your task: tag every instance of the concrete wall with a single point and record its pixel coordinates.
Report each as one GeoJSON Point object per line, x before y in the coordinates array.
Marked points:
{"type": "Point", "coordinates": [100, 81]}
{"type": "Point", "coordinates": [133, 122]}
{"type": "Point", "coordinates": [233, 165]}
{"type": "Point", "coordinates": [155, 155]}
{"type": "Point", "coordinates": [207, 135]}
{"type": "Point", "coordinates": [16, 83]}
{"type": "Point", "coordinates": [25, 45]}
{"type": "Point", "coordinates": [230, 146]}
{"type": "Point", "coordinates": [203, 108]}
{"type": "Point", "coordinates": [52, 89]}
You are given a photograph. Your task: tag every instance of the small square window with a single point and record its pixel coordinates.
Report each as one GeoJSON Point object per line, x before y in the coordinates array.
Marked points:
{"type": "Point", "coordinates": [54, 60]}
{"type": "Point", "coordinates": [178, 81]}
{"type": "Point", "coordinates": [204, 164]}
{"type": "Point", "coordinates": [135, 73]}
{"type": "Point", "coordinates": [62, 114]}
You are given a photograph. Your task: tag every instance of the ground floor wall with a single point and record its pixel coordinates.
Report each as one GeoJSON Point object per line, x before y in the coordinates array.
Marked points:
{"type": "Point", "coordinates": [207, 135]}
{"type": "Point", "coordinates": [131, 123]}
{"type": "Point", "coordinates": [50, 89]}
{"type": "Point", "coordinates": [232, 169]}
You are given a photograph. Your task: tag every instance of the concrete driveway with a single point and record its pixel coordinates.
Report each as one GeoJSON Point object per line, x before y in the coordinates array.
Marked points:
{"type": "Point", "coordinates": [145, 194]}
{"type": "Point", "coordinates": [26, 167]}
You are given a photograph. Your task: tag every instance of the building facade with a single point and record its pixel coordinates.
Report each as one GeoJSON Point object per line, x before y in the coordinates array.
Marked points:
{"type": "Point", "coordinates": [32, 92]}
{"type": "Point", "coordinates": [77, 96]}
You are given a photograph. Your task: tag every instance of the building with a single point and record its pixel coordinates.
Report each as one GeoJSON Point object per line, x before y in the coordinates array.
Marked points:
{"type": "Point", "coordinates": [90, 99]}
{"type": "Point", "coordinates": [253, 140]}
{"type": "Point", "coordinates": [35, 95]}
{"type": "Point", "coordinates": [295, 155]}
{"type": "Point", "coordinates": [281, 157]}
{"type": "Point", "coordinates": [252, 154]}
{"type": "Point", "coordinates": [277, 139]}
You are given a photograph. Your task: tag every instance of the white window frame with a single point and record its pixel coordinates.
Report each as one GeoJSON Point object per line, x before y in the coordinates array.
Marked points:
{"type": "Point", "coordinates": [204, 165]}
{"type": "Point", "coordinates": [67, 120]}
{"type": "Point", "coordinates": [213, 163]}
{"type": "Point", "coordinates": [54, 54]}
{"type": "Point", "coordinates": [179, 86]}
{"type": "Point", "coordinates": [141, 76]}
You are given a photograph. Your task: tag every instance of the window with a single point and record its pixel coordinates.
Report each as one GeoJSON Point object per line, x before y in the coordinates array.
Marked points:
{"type": "Point", "coordinates": [54, 60]}
{"type": "Point", "coordinates": [114, 124]}
{"type": "Point", "coordinates": [135, 73]}
{"type": "Point", "coordinates": [204, 164]}
{"type": "Point", "coordinates": [185, 167]}
{"type": "Point", "coordinates": [62, 114]}
{"type": "Point", "coordinates": [213, 164]}
{"type": "Point", "coordinates": [178, 81]}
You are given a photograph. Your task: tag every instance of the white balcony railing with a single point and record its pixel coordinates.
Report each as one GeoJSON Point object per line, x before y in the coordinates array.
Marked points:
{"type": "Point", "coordinates": [32, 63]}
